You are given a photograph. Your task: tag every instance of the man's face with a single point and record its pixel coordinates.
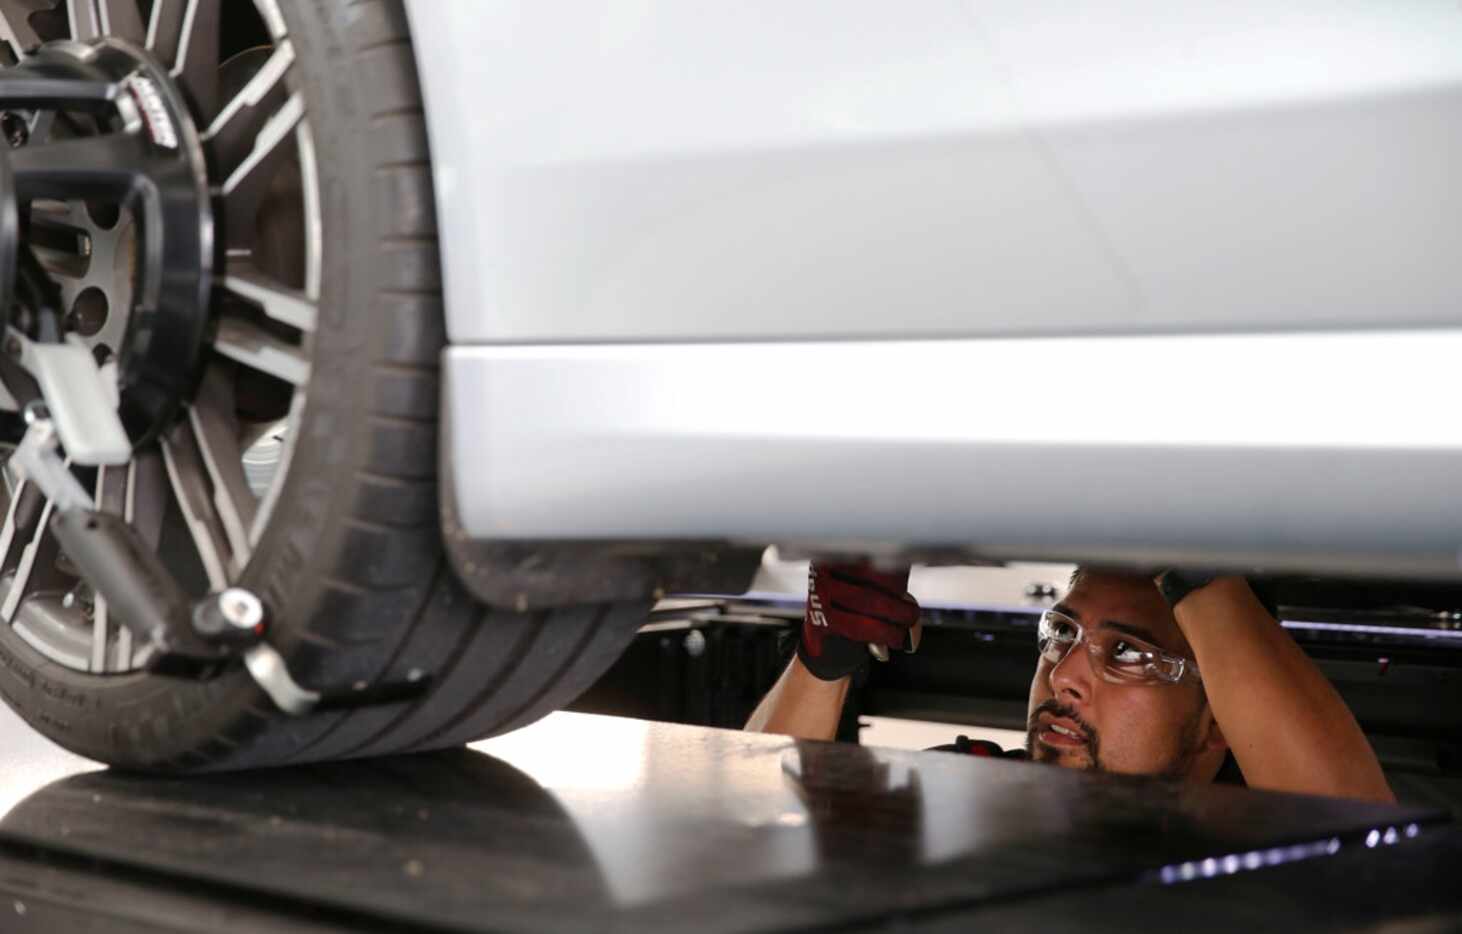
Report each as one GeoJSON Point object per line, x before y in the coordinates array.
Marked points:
{"type": "Point", "coordinates": [1136, 729]}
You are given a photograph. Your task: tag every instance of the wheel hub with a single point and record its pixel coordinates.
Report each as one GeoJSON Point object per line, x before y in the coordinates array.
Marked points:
{"type": "Point", "coordinates": [109, 138]}
{"type": "Point", "coordinates": [97, 288]}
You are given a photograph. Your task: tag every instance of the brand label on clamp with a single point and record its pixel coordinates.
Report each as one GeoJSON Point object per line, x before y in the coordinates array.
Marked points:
{"type": "Point", "coordinates": [154, 111]}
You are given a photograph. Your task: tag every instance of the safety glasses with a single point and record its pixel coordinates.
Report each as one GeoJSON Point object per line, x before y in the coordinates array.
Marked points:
{"type": "Point", "coordinates": [1117, 656]}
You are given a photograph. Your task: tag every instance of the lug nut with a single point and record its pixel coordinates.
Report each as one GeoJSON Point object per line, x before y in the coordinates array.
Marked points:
{"type": "Point", "coordinates": [240, 608]}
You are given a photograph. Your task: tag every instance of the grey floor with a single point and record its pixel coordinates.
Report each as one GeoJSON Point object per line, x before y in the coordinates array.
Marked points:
{"type": "Point", "coordinates": [29, 761]}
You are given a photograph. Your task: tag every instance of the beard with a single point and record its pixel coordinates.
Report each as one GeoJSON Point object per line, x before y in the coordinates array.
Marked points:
{"type": "Point", "coordinates": [1037, 752]}
{"type": "Point", "coordinates": [1179, 765]}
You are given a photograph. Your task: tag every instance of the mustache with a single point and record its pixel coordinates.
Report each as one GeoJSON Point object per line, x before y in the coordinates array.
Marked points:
{"type": "Point", "coordinates": [1057, 709]}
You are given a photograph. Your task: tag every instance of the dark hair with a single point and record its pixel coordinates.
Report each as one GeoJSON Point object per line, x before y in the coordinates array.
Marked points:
{"type": "Point", "coordinates": [1261, 588]}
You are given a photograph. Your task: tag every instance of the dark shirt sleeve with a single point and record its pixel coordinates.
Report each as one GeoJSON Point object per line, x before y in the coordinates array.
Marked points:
{"type": "Point", "coordinates": [1229, 773]}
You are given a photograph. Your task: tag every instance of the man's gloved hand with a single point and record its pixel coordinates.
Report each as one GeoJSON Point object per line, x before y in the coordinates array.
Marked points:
{"type": "Point", "coordinates": [850, 607]}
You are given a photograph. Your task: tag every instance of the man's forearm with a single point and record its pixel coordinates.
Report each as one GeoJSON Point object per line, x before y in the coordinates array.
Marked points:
{"type": "Point", "coordinates": [1287, 726]}
{"type": "Point", "coordinates": [801, 705]}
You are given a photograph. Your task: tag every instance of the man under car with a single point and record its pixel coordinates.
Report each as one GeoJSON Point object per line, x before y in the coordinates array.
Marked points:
{"type": "Point", "coordinates": [1186, 676]}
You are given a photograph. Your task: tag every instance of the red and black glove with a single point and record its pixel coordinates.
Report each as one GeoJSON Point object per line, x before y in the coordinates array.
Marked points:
{"type": "Point", "coordinates": [850, 607]}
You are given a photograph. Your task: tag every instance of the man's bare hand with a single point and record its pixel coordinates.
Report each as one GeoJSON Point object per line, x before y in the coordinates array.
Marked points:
{"type": "Point", "coordinates": [1287, 726]}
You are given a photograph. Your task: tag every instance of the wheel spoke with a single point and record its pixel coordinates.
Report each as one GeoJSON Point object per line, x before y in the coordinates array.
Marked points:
{"type": "Point", "coordinates": [249, 344]}
{"type": "Point", "coordinates": [99, 635]}
{"type": "Point", "coordinates": [111, 497]}
{"type": "Point", "coordinates": [20, 519]}
{"type": "Point", "coordinates": [147, 495]}
{"type": "Point", "coordinates": [266, 144]}
{"type": "Point", "coordinates": [281, 304]}
{"type": "Point", "coordinates": [144, 507]}
{"type": "Point", "coordinates": [30, 559]}
{"type": "Point", "coordinates": [254, 93]}
{"type": "Point", "coordinates": [216, 432]}
{"type": "Point", "coordinates": [185, 33]}
{"type": "Point", "coordinates": [33, 606]}
{"type": "Point", "coordinates": [29, 550]}
{"type": "Point", "coordinates": [41, 122]}
{"type": "Point", "coordinates": [170, 21]}
{"type": "Point", "coordinates": [310, 193]}
{"type": "Point", "coordinates": [111, 489]}
{"type": "Point", "coordinates": [248, 141]}
{"type": "Point", "coordinates": [271, 495]}
{"type": "Point", "coordinates": [92, 19]}
{"type": "Point", "coordinates": [15, 28]}
{"type": "Point", "coordinates": [122, 657]}
{"type": "Point", "coordinates": [189, 479]}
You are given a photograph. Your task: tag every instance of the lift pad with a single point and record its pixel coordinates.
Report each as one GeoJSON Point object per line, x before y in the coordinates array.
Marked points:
{"type": "Point", "coordinates": [595, 823]}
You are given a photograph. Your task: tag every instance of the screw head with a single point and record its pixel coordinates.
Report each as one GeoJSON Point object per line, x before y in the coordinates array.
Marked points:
{"type": "Point", "coordinates": [1040, 590]}
{"type": "Point", "coordinates": [241, 608]}
{"type": "Point", "coordinates": [695, 643]}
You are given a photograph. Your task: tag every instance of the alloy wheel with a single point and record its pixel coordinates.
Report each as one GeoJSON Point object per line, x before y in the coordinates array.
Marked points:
{"type": "Point", "coordinates": [211, 417]}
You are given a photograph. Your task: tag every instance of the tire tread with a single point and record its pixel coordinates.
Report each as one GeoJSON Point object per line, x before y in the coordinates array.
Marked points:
{"type": "Point", "coordinates": [402, 457]}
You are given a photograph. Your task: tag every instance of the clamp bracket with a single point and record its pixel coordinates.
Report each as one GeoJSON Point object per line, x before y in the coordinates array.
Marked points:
{"type": "Point", "coordinates": [177, 634]}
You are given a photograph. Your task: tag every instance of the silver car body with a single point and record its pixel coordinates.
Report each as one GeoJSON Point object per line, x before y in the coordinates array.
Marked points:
{"type": "Point", "coordinates": [1099, 280]}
